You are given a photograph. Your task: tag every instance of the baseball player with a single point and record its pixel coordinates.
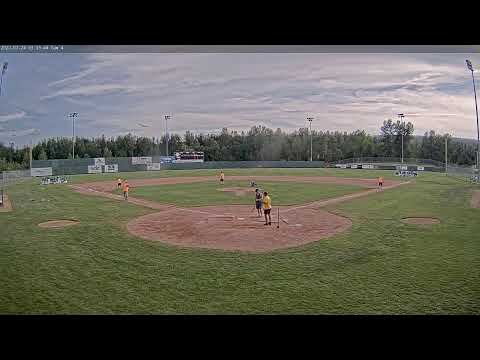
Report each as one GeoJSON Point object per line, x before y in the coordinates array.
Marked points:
{"type": "Point", "coordinates": [267, 208]}
{"type": "Point", "coordinates": [258, 202]}
{"type": "Point", "coordinates": [126, 188]}
{"type": "Point", "coordinates": [380, 183]}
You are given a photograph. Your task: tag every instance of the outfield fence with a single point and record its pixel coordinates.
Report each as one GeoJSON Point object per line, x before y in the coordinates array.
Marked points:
{"type": "Point", "coordinates": [59, 167]}
{"type": "Point", "coordinates": [467, 173]}
{"type": "Point", "coordinates": [392, 160]}
{"type": "Point", "coordinates": [146, 163]}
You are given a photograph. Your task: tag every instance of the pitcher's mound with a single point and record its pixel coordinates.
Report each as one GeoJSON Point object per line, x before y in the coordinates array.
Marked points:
{"type": "Point", "coordinates": [420, 221]}
{"type": "Point", "coordinates": [237, 228]}
{"type": "Point", "coordinates": [58, 223]}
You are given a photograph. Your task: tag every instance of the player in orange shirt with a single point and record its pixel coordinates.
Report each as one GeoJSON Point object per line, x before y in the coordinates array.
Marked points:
{"type": "Point", "coordinates": [380, 183]}
{"type": "Point", "coordinates": [222, 177]}
{"type": "Point", "coordinates": [126, 188]}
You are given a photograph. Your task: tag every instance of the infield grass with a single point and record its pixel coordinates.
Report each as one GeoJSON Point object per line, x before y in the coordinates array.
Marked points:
{"type": "Point", "coordinates": [380, 266]}
{"type": "Point", "coordinates": [209, 193]}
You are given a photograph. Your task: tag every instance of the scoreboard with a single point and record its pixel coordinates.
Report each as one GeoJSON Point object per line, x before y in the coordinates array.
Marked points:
{"type": "Point", "coordinates": [189, 156]}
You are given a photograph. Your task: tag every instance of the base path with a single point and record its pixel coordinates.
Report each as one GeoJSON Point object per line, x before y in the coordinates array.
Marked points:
{"type": "Point", "coordinates": [236, 227]}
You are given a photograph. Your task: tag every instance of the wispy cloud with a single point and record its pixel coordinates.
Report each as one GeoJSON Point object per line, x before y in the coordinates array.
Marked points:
{"type": "Point", "coordinates": [21, 133]}
{"type": "Point", "coordinates": [88, 90]}
{"type": "Point", "coordinates": [74, 77]}
{"type": "Point", "coordinates": [13, 116]}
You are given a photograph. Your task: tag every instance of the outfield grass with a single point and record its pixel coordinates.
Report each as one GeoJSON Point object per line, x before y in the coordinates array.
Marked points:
{"type": "Point", "coordinates": [204, 194]}
{"type": "Point", "coordinates": [363, 174]}
{"type": "Point", "coordinates": [380, 266]}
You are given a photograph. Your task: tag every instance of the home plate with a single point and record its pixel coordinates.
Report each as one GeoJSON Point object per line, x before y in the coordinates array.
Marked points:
{"type": "Point", "coordinates": [241, 218]}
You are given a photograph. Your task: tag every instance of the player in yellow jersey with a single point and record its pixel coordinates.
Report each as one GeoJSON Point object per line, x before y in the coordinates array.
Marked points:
{"type": "Point", "coordinates": [267, 208]}
{"type": "Point", "coordinates": [222, 177]}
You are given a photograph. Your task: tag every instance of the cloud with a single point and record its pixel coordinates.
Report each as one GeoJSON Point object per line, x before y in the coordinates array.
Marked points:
{"type": "Point", "coordinates": [206, 92]}
{"type": "Point", "coordinates": [90, 90]}
{"type": "Point", "coordinates": [13, 116]}
{"type": "Point", "coordinates": [73, 78]}
{"type": "Point", "coordinates": [20, 133]}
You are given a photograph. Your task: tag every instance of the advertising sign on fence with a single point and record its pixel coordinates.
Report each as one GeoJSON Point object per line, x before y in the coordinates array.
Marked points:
{"type": "Point", "coordinates": [99, 161]}
{"type": "Point", "coordinates": [94, 169]}
{"type": "Point", "coordinates": [113, 168]}
{"type": "Point", "coordinates": [341, 166]}
{"type": "Point", "coordinates": [354, 166]}
{"type": "Point", "coordinates": [167, 159]}
{"type": "Point", "coordinates": [420, 168]}
{"type": "Point", "coordinates": [144, 160]}
{"type": "Point", "coordinates": [41, 171]}
{"type": "Point", "coordinates": [153, 167]}
{"type": "Point", "coordinates": [368, 166]}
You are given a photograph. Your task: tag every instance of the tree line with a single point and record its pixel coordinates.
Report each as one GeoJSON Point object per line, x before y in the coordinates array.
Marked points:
{"type": "Point", "coordinates": [258, 143]}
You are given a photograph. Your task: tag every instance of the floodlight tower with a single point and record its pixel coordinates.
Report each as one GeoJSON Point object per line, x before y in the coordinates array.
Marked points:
{"type": "Point", "coordinates": [4, 70]}
{"type": "Point", "coordinates": [73, 116]}
{"type": "Point", "coordinates": [401, 116]}
{"type": "Point", "coordinates": [167, 117]}
{"type": "Point", "coordinates": [470, 67]}
{"type": "Point", "coordinates": [310, 119]}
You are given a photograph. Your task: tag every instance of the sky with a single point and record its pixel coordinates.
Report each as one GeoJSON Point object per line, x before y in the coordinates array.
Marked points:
{"type": "Point", "coordinates": [118, 93]}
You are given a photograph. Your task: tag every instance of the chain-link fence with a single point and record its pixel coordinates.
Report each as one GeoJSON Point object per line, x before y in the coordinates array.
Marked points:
{"type": "Point", "coordinates": [467, 173]}
{"type": "Point", "coordinates": [9, 178]}
{"type": "Point", "coordinates": [392, 160]}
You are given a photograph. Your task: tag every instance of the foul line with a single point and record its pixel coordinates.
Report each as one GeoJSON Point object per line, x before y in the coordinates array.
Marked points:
{"type": "Point", "coordinates": [343, 198]}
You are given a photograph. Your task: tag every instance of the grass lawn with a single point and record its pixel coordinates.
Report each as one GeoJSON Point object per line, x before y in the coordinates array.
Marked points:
{"type": "Point", "coordinates": [380, 266]}
{"type": "Point", "coordinates": [360, 173]}
{"type": "Point", "coordinates": [204, 194]}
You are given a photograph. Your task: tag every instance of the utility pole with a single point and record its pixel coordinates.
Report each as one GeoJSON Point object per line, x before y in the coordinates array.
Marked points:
{"type": "Point", "coordinates": [310, 119]}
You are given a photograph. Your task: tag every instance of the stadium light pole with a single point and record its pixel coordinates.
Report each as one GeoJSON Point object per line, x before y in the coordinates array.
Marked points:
{"type": "Point", "coordinates": [167, 117]}
{"type": "Point", "coordinates": [470, 67]}
{"type": "Point", "coordinates": [446, 155]}
{"type": "Point", "coordinates": [4, 70]}
{"type": "Point", "coordinates": [401, 116]}
{"type": "Point", "coordinates": [73, 116]}
{"type": "Point", "coordinates": [310, 119]}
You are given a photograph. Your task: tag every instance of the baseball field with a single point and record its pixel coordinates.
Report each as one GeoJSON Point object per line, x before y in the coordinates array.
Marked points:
{"type": "Point", "coordinates": [185, 244]}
